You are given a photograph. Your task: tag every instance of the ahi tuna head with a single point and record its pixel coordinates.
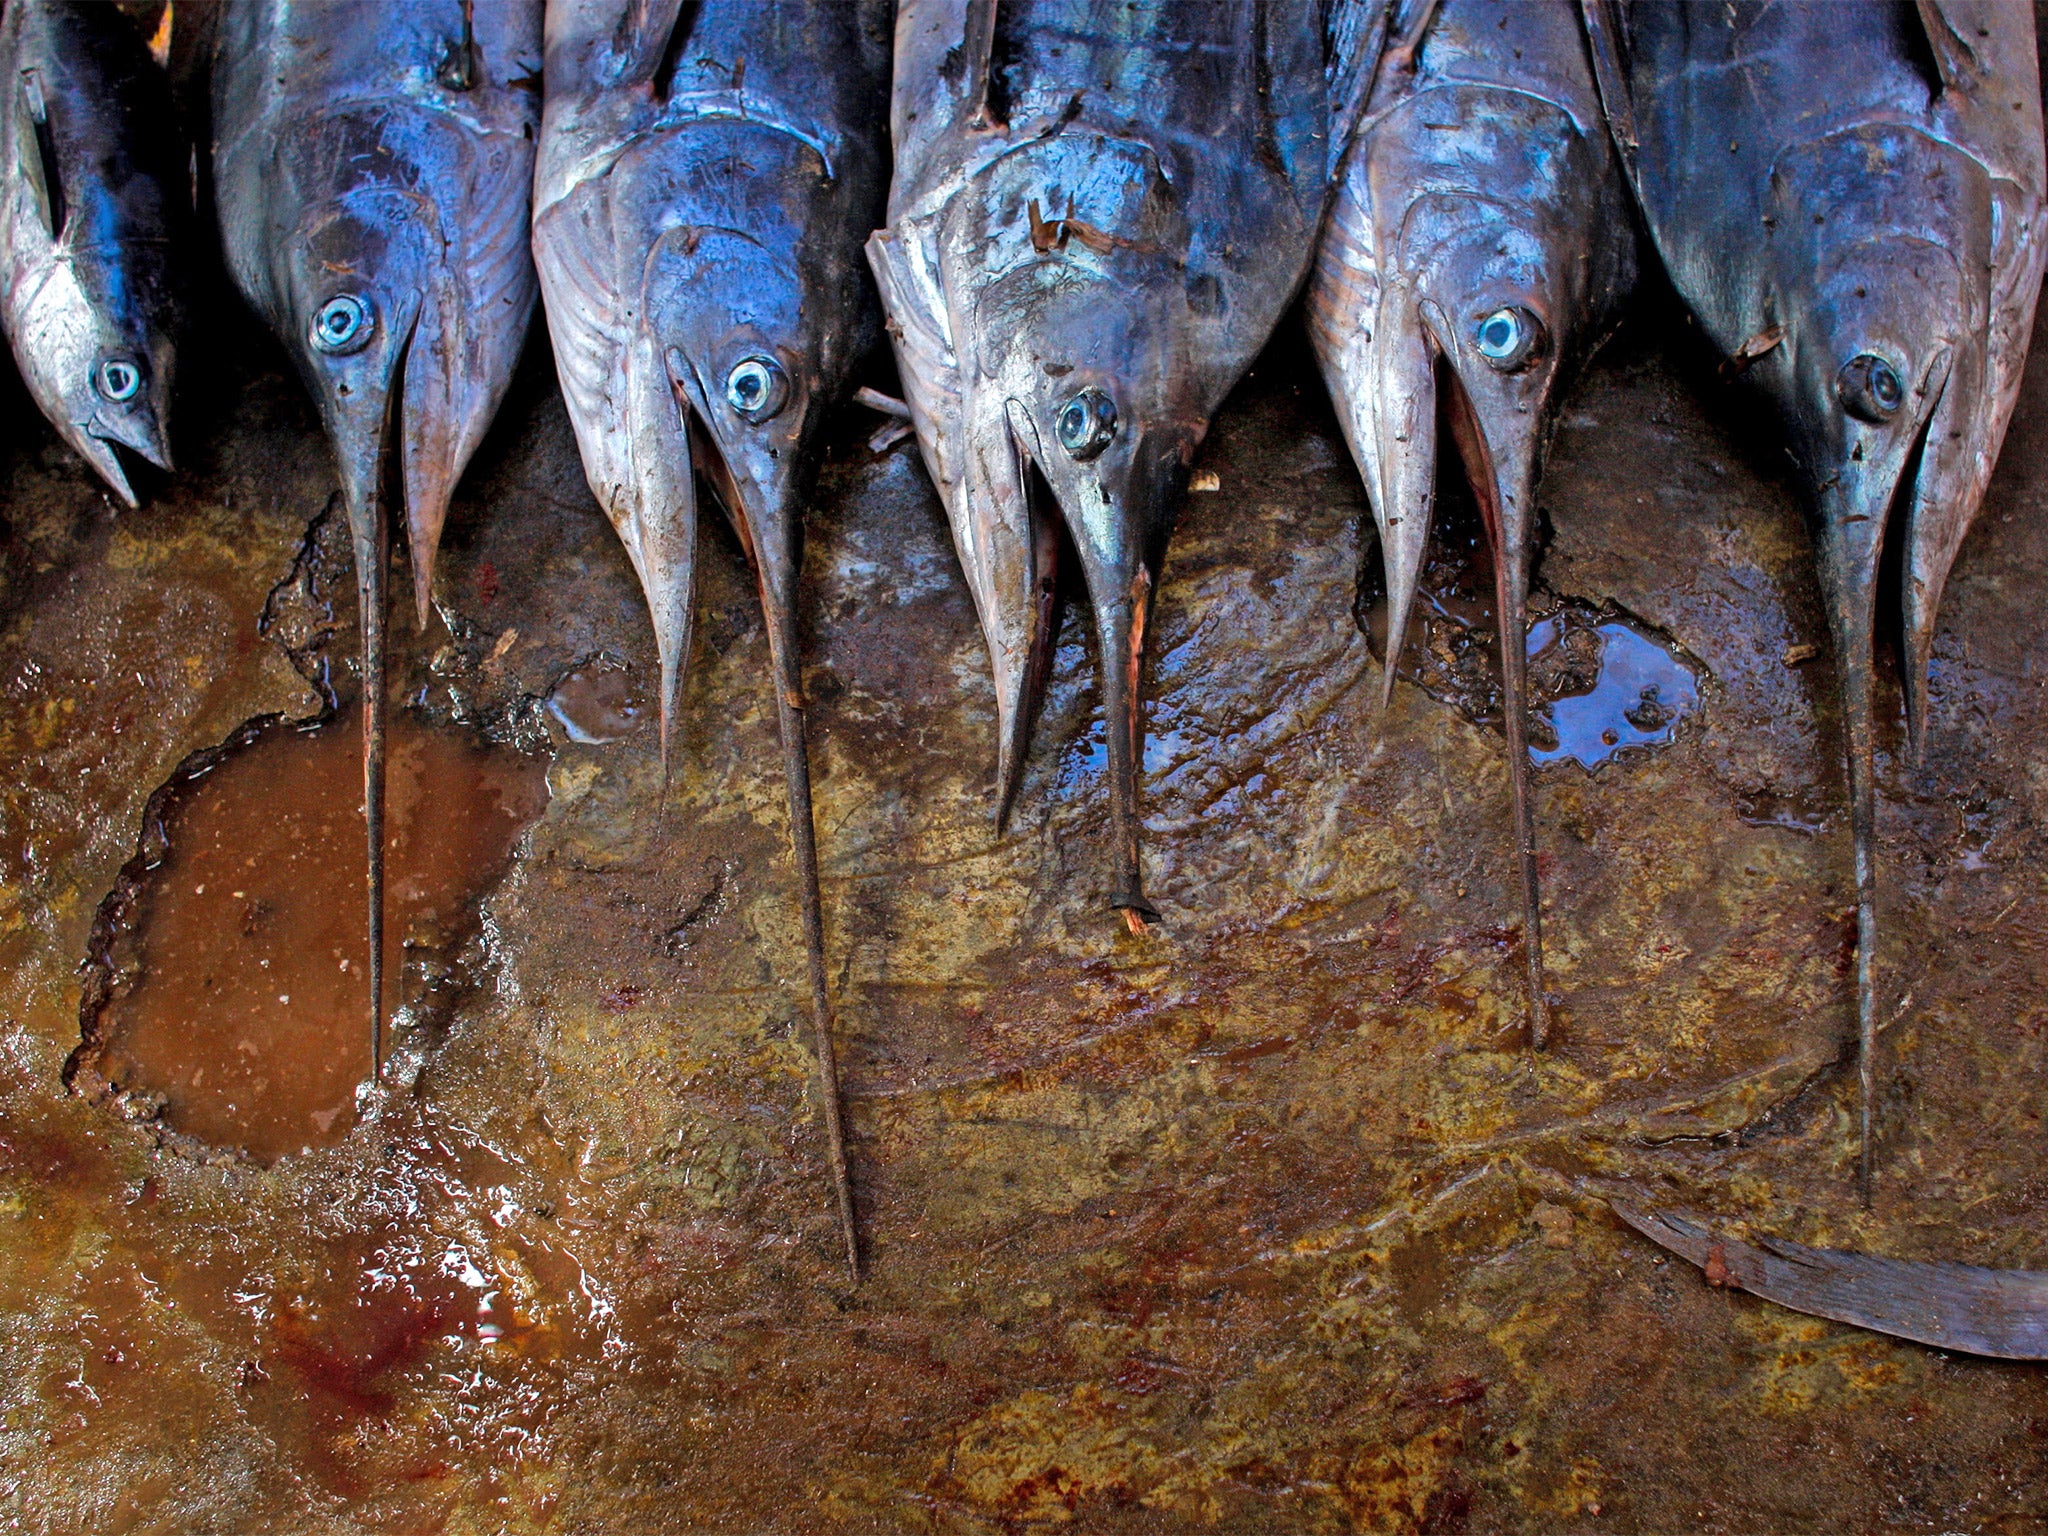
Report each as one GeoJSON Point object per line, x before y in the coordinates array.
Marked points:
{"type": "Point", "coordinates": [98, 361]}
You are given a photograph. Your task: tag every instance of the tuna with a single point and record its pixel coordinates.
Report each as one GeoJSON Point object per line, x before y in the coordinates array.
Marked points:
{"type": "Point", "coordinates": [1478, 250]}
{"type": "Point", "coordinates": [1099, 213]}
{"type": "Point", "coordinates": [95, 203]}
{"type": "Point", "coordinates": [708, 172]}
{"type": "Point", "coordinates": [1850, 198]}
{"type": "Point", "coordinates": [373, 164]}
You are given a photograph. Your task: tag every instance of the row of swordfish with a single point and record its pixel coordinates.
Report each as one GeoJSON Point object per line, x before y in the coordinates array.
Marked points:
{"type": "Point", "coordinates": [1082, 221]}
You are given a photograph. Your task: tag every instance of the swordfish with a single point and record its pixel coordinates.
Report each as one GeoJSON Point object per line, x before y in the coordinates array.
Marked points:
{"type": "Point", "coordinates": [95, 196]}
{"type": "Point", "coordinates": [373, 163]}
{"type": "Point", "coordinates": [1098, 215]}
{"type": "Point", "coordinates": [1850, 198]}
{"type": "Point", "coordinates": [708, 172]}
{"type": "Point", "coordinates": [1477, 251]}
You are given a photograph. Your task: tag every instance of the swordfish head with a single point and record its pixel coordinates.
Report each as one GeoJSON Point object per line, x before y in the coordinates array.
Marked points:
{"type": "Point", "coordinates": [1476, 253]}
{"type": "Point", "coordinates": [1088, 393]}
{"type": "Point", "coordinates": [1883, 290]}
{"type": "Point", "coordinates": [94, 178]}
{"type": "Point", "coordinates": [402, 287]}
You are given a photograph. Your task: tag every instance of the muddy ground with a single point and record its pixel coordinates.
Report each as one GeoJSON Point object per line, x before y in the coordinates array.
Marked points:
{"type": "Point", "coordinates": [1265, 1221]}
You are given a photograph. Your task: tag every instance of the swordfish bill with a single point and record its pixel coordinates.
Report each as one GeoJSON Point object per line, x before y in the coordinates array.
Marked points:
{"type": "Point", "coordinates": [1477, 251]}
{"type": "Point", "coordinates": [1849, 197]}
{"type": "Point", "coordinates": [1098, 215]}
{"type": "Point", "coordinates": [708, 172]}
{"type": "Point", "coordinates": [373, 164]}
{"type": "Point", "coordinates": [94, 215]}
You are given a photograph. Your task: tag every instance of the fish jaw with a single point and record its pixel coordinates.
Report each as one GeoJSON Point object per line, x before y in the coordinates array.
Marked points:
{"type": "Point", "coordinates": [1379, 362]}
{"type": "Point", "coordinates": [1054, 340]}
{"type": "Point", "coordinates": [65, 342]}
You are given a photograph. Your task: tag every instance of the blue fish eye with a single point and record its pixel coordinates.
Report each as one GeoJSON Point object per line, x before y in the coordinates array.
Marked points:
{"type": "Point", "coordinates": [1870, 388]}
{"type": "Point", "coordinates": [1509, 337]}
{"type": "Point", "coordinates": [1086, 423]}
{"type": "Point", "coordinates": [118, 380]}
{"type": "Point", "coordinates": [757, 388]}
{"type": "Point", "coordinates": [343, 324]}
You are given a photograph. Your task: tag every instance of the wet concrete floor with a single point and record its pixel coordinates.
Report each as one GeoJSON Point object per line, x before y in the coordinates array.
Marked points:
{"type": "Point", "coordinates": [1263, 1221]}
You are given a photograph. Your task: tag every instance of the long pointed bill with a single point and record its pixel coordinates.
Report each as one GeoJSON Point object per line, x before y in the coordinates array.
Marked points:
{"type": "Point", "coordinates": [1117, 541]}
{"type": "Point", "coordinates": [362, 448]}
{"type": "Point", "coordinates": [1502, 472]}
{"type": "Point", "coordinates": [773, 540]}
{"type": "Point", "coordinates": [1854, 509]}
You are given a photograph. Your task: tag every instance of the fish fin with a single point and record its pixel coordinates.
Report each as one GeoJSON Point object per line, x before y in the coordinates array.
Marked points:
{"type": "Point", "coordinates": [457, 371]}
{"type": "Point", "coordinates": [1606, 24]}
{"type": "Point", "coordinates": [1356, 33]}
{"type": "Point", "coordinates": [1022, 715]}
{"type": "Point", "coordinates": [1955, 35]}
{"type": "Point", "coordinates": [36, 150]}
{"type": "Point", "coordinates": [777, 570]}
{"type": "Point", "coordinates": [983, 96]}
{"type": "Point", "coordinates": [629, 426]}
{"type": "Point", "coordinates": [2001, 1313]}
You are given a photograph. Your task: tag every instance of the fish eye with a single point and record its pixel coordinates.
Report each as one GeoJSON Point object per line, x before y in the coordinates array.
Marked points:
{"type": "Point", "coordinates": [1509, 337]}
{"type": "Point", "coordinates": [343, 324]}
{"type": "Point", "coordinates": [118, 380]}
{"type": "Point", "coordinates": [1870, 388]}
{"type": "Point", "coordinates": [757, 388]}
{"type": "Point", "coordinates": [1086, 423]}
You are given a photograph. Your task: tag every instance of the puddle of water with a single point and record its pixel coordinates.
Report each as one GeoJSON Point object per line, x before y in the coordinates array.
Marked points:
{"type": "Point", "coordinates": [596, 705]}
{"type": "Point", "coordinates": [1600, 681]}
{"type": "Point", "coordinates": [232, 982]}
{"type": "Point", "coordinates": [1638, 692]}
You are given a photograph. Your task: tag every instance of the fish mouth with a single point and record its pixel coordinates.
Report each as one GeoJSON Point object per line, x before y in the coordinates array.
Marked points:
{"type": "Point", "coordinates": [1418, 379]}
{"type": "Point", "coordinates": [1116, 539]}
{"type": "Point", "coordinates": [117, 444]}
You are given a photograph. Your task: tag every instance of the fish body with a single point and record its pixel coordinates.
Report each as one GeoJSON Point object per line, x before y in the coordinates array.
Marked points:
{"type": "Point", "coordinates": [708, 173]}
{"type": "Point", "coordinates": [1098, 215]}
{"type": "Point", "coordinates": [373, 165]}
{"type": "Point", "coordinates": [95, 198]}
{"type": "Point", "coordinates": [1478, 248]}
{"type": "Point", "coordinates": [1850, 199]}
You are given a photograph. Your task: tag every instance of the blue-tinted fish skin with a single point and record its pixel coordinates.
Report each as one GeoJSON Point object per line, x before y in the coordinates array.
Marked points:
{"type": "Point", "coordinates": [1479, 189]}
{"type": "Point", "coordinates": [373, 167]}
{"type": "Point", "coordinates": [1104, 209]}
{"type": "Point", "coordinates": [1850, 198]}
{"type": "Point", "coordinates": [94, 222]}
{"type": "Point", "coordinates": [708, 173]}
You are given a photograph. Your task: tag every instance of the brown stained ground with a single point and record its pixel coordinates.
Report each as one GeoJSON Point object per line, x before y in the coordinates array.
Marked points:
{"type": "Point", "coordinates": [1264, 1222]}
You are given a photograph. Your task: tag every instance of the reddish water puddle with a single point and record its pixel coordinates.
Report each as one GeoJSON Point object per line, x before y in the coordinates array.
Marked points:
{"type": "Point", "coordinates": [228, 988]}
{"type": "Point", "coordinates": [596, 705]}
